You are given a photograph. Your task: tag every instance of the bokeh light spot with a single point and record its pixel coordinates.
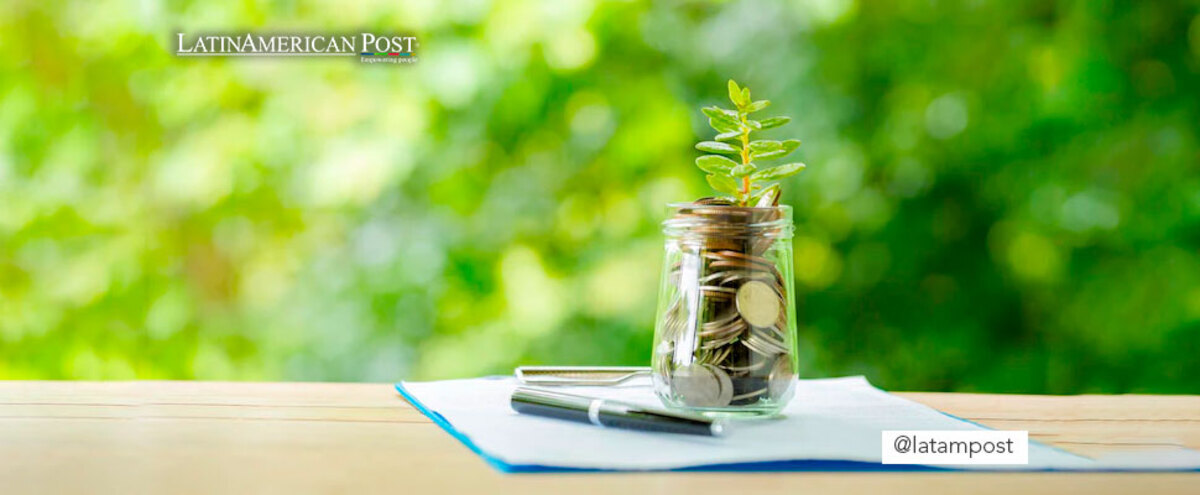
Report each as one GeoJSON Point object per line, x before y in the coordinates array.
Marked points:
{"type": "Point", "coordinates": [946, 116]}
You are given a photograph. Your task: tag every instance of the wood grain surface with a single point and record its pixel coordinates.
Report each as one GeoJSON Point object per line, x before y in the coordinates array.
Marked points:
{"type": "Point", "coordinates": [205, 437]}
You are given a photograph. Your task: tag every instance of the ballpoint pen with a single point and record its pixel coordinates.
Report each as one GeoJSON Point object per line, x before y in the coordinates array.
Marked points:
{"type": "Point", "coordinates": [615, 414]}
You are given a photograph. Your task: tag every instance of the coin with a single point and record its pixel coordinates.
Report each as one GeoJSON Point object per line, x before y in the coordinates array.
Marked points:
{"type": "Point", "coordinates": [727, 331]}
{"type": "Point", "coordinates": [758, 303]}
{"type": "Point", "coordinates": [756, 344]}
{"type": "Point", "coordinates": [748, 261]}
{"type": "Point", "coordinates": [709, 344]}
{"type": "Point", "coordinates": [697, 385]}
{"type": "Point", "coordinates": [749, 390]}
{"type": "Point", "coordinates": [720, 322]}
{"type": "Point", "coordinates": [765, 263]}
{"type": "Point", "coordinates": [722, 213]}
{"type": "Point", "coordinates": [724, 263]}
{"type": "Point", "coordinates": [721, 355]}
{"type": "Point", "coordinates": [713, 201]}
{"type": "Point", "coordinates": [726, 386]}
{"type": "Point", "coordinates": [755, 366]}
{"type": "Point", "coordinates": [769, 198]}
{"type": "Point", "coordinates": [781, 378]}
{"type": "Point", "coordinates": [760, 343]}
{"type": "Point", "coordinates": [715, 278]}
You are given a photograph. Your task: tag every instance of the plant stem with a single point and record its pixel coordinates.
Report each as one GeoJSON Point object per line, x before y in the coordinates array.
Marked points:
{"type": "Point", "coordinates": [745, 196]}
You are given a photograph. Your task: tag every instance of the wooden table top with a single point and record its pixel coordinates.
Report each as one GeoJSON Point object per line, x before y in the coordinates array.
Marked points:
{"type": "Point", "coordinates": [199, 437]}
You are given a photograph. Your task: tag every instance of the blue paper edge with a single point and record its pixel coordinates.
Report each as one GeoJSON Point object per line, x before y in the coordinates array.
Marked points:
{"type": "Point", "coordinates": [796, 465]}
{"type": "Point", "coordinates": [440, 420]}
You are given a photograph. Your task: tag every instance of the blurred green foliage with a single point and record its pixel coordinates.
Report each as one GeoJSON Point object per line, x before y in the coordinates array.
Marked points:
{"type": "Point", "coordinates": [1001, 195]}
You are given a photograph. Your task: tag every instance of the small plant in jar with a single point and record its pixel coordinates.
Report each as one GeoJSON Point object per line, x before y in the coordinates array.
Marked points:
{"type": "Point", "coordinates": [725, 334]}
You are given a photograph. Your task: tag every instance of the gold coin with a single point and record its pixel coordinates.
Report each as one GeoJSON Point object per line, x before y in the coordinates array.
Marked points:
{"type": "Point", "coordinates": [758, 303]}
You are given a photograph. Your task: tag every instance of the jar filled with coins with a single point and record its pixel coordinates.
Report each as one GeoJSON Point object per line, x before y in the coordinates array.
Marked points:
{"type": "Point", "coordinates": [725, 334]}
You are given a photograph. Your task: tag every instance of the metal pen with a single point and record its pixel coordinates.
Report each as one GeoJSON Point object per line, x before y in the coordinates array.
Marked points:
{"type": "Point", "coordinates": [614, 414]}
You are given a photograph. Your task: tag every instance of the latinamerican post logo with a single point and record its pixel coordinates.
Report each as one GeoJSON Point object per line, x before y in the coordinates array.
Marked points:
{"type": "Point", "coordinates": [371, 48]}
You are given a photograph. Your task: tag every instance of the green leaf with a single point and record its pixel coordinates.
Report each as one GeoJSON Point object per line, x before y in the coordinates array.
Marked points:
{"type": "Point", "coordinates": [773, 122]}
{"type": "Point", "coordinates": [764, 146]}
{"type": "Point", "coordinates": [724, 126]}
{"type": "Point", "coordinates": [720, 113]}
{"type": "Point", "coordinates": [729, 136]}
{"type": "Point", "coordinates": [779, 172]}
{"type": "Point", "coordinates": [721, 119]}
{"type": "Point", "coordinates": [735, 94]}
{"type": "Point", "coordinates": [715, 164]}
{"type": "Point", "coordinates": [753, 124]}
{"type": "Point", "coordinates": [716, 147]}
{"type": "Point", "coordinates": [786, 148]}
{"type": "Point", "coordinates": [743, 170]}
{"type": "Point", "coordinates": [723, 184]}
{"type": "Point", "coordinates": [758, 105]}
{"type": "Point", "coordinates": [745, 96]}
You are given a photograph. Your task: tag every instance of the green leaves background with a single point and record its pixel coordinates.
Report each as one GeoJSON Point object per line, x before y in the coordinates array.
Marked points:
{"type": "Point", "coordinates": [1013, 211]}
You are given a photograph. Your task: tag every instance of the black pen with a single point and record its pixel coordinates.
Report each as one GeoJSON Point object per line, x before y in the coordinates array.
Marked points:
{"type": "Point", "coordinates": [604, 412]}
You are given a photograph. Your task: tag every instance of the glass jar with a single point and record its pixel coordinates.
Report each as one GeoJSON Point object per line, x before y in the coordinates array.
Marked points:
{"type": "Point", "coordinates": [725, 341]}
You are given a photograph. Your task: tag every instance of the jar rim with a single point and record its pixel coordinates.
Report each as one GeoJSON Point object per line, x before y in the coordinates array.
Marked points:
{"type": "Point", "coordinates": [700, 226]}
{"type": "Point", "coordinates": [688, 204]}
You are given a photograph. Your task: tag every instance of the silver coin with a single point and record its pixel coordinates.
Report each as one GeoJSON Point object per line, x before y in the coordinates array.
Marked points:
{"type": "Point", "coordinates": [697, 385]}
{"type": "Point", "coordinates": [720, 356]}
{"type": "Point", "coordinates": [726, 395]}
{"type": "Point", "coordinates": [728, 331]}
{"type": "Point", "coordinates": [713, 355]}
{"type": "Point", "coordinates": [782, 376]}
{"type": "Point", "coordinates": [765, 339]}
{"type": "Point", "coordinates": [757, 346]}
{"type": "Point", "coordinates": [749, 395]}
{"type": "Point", "coordinates": [754, 366]}
{"type": "Point", "coordinates": [721, 322]}
{"type": "Point", "coordinates": [769, 198]}
{"type": "Point", "coordinates": [716, 292]}
{"type": "Point", "coordinates": [777, 331]}
{"type": "Point", "coordinates": [714, 343]}
{"type": "Point", "coordinates": [758, 303]}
